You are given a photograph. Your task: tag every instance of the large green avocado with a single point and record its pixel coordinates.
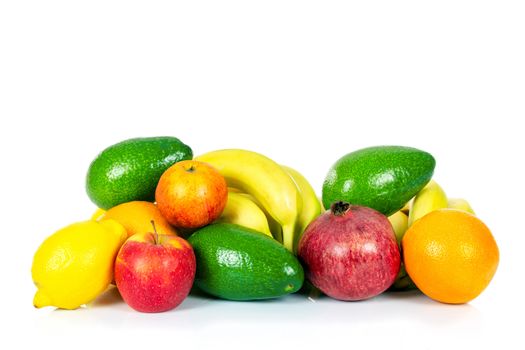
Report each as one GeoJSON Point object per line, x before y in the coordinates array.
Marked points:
{"type": "Point", "coordinates": [383, 177]}
{"type": "Point", "coordinates": [237, 263]}
{"type": "Point", "coordinates": [130, 170]}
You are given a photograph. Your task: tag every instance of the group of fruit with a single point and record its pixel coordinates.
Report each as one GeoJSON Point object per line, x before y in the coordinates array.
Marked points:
{"type": "Point", "coordinates": [239, 226]}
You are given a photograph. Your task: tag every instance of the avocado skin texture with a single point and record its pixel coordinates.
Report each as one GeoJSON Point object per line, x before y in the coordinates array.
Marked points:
{"type": "Point", "coordinates": [383, 177]}
{"type": "Point", "coordinates": [238, 263]}
{"type": "Point", "coordinates": [130, 170]}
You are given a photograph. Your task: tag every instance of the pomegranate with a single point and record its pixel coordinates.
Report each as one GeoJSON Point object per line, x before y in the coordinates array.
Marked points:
{"type": "Point", "coordinates": [350, 252]}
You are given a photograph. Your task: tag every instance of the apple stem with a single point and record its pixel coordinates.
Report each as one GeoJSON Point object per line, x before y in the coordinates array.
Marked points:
{"type": "Point", "coordinates": [155, 230]}
{"type": "Point", "coordinates": [340, 208]}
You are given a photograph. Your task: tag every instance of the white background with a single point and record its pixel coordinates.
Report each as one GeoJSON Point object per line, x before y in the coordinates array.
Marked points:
{"type": "Point", "coordinates": [302, 82]}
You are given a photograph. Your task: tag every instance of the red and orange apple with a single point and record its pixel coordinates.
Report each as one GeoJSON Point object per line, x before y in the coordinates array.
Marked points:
{"type": "Point", "coordinates": [191, 194]}
{"type": "Point", "coordinates": [154, 272]}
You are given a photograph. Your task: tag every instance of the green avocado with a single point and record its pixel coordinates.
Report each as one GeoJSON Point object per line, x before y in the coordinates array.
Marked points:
{"type": "Point", "coordinates": [383, 178]}
{"type": "Point", "coordinates": [237, 263]}
{"type": "Point", "coordinates": [130, 170]}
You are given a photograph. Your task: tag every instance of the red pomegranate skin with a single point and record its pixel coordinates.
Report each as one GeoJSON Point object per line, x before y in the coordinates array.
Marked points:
{"type": "Point", "coordinates": [350, 252]}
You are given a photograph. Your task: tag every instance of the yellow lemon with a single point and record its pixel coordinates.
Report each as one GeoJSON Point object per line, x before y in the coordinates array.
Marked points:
{"type": "Point", "coordinates": [75, 264]}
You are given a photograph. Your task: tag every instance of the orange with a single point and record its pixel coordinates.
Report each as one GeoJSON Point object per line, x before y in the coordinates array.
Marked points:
{"type": "Point", "coordinates": [450, 255]}
{"type": "Point", "coordinates": [136, 218]}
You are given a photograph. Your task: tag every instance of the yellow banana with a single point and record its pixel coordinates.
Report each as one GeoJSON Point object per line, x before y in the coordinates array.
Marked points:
{"type": "Point", "coordinates": [233, 189]}
{"type": "Point", "coordinates": [265, 180]}
{"type": "Point", "coordinates": [460, 204]}
{"type": "Point", "coordinates": [430, 198]}
{"type": "Point", "coordinates": [311, 208]}
{"type": "Point", "coordinates": [399, 221]}
{"type": "Point", "coordinates": [407, 206]}
{"type": "Point", "coordinates": [275, 229]}
{"type": "Point", "coordinates": [241, 210]}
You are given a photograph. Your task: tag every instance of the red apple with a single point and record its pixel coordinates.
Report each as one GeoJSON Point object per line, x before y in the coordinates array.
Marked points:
{"type": "Point", "coordinates": [350, 252]}
{"type": "Point", "coordinates": [191, 194]}
{"type": "Point", "coordinates": [154, 272]}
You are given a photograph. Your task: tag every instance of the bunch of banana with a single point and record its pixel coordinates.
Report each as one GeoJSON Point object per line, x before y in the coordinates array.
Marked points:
{"type": "Point", "coordinates": [311, 207]}
{"type": "Point", "coordinates": [242, 210]}
{"type": "Point", "coordinates": [282, 194]}
{"type": "Point", "coordinates": [430, 198]}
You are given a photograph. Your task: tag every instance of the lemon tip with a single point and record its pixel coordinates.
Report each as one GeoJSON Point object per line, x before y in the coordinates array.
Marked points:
{"type": "Point", "coordinates": [40, 300]}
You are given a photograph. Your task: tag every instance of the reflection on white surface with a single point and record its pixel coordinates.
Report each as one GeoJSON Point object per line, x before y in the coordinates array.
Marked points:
{"type": "Point", "coordinates": [199, 312]}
